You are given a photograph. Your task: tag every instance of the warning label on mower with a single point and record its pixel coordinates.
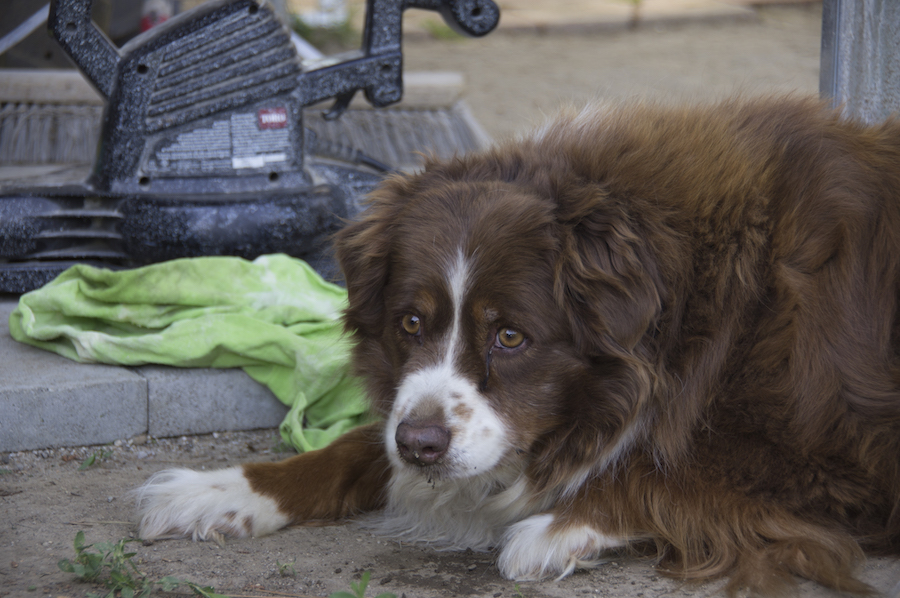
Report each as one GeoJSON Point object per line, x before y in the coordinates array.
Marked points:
{"type": "Point", "coordinates": [243, 141]}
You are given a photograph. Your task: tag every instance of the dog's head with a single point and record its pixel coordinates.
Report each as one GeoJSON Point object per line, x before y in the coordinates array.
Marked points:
{"type": "Point", "coordinates": [499, 316]}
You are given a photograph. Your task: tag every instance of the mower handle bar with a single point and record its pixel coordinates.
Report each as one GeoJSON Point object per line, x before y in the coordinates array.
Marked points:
{"type": "Point", "coordinates": [98, 58]}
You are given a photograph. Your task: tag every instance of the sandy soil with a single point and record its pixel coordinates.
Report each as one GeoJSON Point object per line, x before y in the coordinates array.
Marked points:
{"type": "Point", "coordinates": [513, 80]}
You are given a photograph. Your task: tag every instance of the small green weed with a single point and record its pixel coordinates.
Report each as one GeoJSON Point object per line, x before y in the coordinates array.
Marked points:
{"type": "Point", "coordinates": [96, 457]}
{"type": "Point", "coordinates": [112, 567]}
{"type": "Point", "coordinates": [359, 590]}
{"type": "Point", "coordinates": [286, 569]}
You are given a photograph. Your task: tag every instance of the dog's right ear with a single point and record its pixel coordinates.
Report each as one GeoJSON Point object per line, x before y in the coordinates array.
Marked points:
{"type": "Point", "coordinates": [363, 250]}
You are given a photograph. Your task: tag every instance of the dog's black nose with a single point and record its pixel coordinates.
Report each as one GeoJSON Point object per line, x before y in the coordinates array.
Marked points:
{"type": "Point", "coordinates": [422, 444]}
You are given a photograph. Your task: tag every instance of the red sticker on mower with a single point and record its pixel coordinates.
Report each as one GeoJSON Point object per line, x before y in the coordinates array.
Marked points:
{"type": "Point", "coordinates": [272, 118]}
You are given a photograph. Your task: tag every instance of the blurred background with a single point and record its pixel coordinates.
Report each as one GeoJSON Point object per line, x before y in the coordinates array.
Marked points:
{"type": "Point", "coordinates": [543, 53]}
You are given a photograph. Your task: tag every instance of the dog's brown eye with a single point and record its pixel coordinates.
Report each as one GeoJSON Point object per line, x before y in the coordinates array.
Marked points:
{"type": "Point", "coordinates": [411, 324]}
{"type": "Point", "coordinates": [509, 338]}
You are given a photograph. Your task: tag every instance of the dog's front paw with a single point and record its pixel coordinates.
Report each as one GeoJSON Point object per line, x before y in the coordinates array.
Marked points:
{"type": "Point", "coordinates": [535, 549]}
{"type": "Point", "coordinates": [205, 505]}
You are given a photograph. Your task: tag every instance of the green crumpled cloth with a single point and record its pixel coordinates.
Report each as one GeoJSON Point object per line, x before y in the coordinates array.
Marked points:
{"type": "Point", "coordinates": [274, 317]}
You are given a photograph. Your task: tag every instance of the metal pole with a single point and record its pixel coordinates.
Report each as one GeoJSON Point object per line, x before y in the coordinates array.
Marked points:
{"type": "Point", "coordinates": [860, 59]}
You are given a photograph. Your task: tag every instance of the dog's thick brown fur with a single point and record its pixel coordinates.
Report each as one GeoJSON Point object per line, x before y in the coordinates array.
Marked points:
{"type": "Point", "coordinates": [734, 271]}
{"type": "Point", "coordinates": [710, 299]}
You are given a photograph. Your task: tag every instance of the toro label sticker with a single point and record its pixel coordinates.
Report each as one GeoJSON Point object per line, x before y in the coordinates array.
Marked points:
{"type": "Point", "coordinates": [272, 118]}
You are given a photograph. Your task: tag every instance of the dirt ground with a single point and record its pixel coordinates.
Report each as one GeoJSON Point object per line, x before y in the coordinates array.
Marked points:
{"type": "Point", "coordinates": [512, 81]}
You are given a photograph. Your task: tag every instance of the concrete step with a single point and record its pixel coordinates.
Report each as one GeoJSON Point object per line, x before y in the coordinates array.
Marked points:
{"type": "Point", "coordinates": [49, 401]}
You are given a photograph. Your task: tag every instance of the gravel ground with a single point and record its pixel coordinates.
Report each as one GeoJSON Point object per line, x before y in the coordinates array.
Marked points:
{"type": "Point", "coordinates": [513, 81]}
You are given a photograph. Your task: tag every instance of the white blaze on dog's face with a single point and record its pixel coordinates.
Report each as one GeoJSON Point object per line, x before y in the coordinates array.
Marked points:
{"type": "Point", "coordinates": [473, 347]}
{"type": "Point", "coordinates": [474, 343]}
{"type": "Point", "coordinates": [466, 436]}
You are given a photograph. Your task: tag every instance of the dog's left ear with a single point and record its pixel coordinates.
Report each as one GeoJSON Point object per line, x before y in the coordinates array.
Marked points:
{"type": "Point", "coordinates": [607, 277]}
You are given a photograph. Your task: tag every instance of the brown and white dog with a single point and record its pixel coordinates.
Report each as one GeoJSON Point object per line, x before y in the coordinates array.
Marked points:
{"type": "Point", "coordinates": [673, 329]}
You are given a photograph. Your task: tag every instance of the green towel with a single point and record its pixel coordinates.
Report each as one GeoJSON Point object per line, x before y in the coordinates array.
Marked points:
{"type": "Point", "coordinates": [275, 317]}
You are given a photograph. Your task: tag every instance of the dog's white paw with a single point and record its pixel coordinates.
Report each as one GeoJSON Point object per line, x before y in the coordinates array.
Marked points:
{"type": "Point", "coordinates": [205, 505]}
{"type": "Point", "coordinates": [533, 549]}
